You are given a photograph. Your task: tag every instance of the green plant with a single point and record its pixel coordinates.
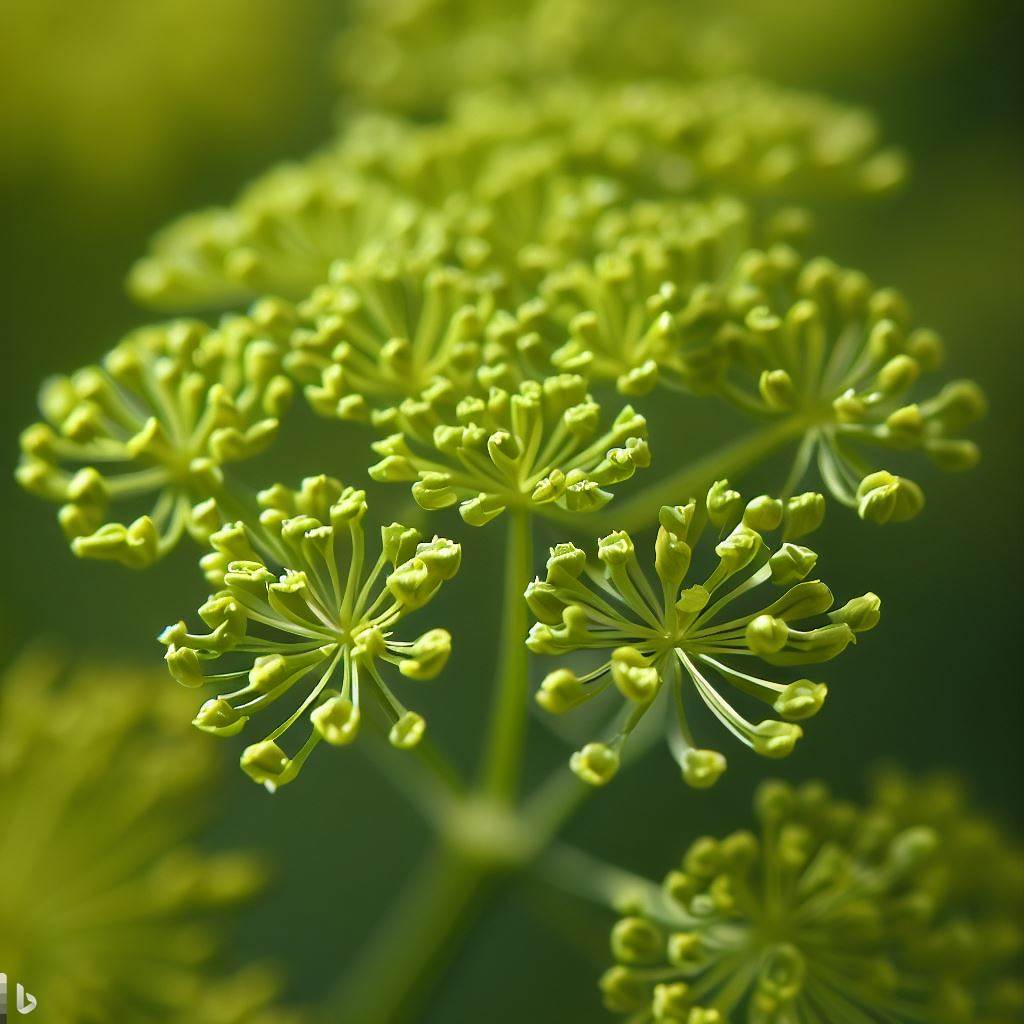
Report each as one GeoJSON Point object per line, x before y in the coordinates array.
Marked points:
{"type": "Point", "coordinates": [476, 297]}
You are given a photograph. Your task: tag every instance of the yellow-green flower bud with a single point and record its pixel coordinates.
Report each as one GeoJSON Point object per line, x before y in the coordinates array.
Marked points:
{"type": "Point", "coordinates": [428, 655]}
{"type": "Point", "coordinates": [763, 514]}
{"type": "Point", "coordinates": [634, 676]}
{"type": "Point", "coordinates": [184, 665]}
{"type": "Point", "coordinates": [724, 505]}
{"type": "Point", "coordinates": [884, 498]}
{"type": "Point", "coordinates": [218, 717]}
{"type": "Point", "coordinates": [596, 764]}
{"type": "Point", "coordinates": [407, 732]}
{"type": "Point", "coordinates": [775, 739]}
{"type": "Point", "coordinates": [791, 564]}
{"type": "Point", "coordinates": [702, 768]}
{"type": "Point", "coordinates": [767, 634]}
{"type": "Point", "coordinates": [561, 691]}
{"type": "Point", "coordinates": [860, 614]}
{"type": "Point", "coordinates": [265, 763]}
{"type": "Point", "coordinates": [671, 1003]}
{"type": "Point", "coordinates": [804, 514]}
{"type": "Point", "coordinates": [337, 720]}
{"type": "Point", "coordinates": [800, 700]}
{"type": "Point", "coordinates": [636, 941]}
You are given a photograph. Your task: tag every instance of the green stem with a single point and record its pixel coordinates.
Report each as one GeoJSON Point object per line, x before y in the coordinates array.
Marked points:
{"type": "Point", "coordinates": [577, 872]}
{"type": "Point", "coordinates": [394, 971]}
{"type": "Point", "coordinates": [504, 751]}
{"type": "Point", "coordinates": [689, 481]}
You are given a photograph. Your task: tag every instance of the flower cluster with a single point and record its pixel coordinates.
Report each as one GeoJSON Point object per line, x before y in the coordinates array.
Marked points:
{"type": "Point", "coordinates": [167, 408]}
{"type": "Point", "coordinates": [538, 445]}
{"type": "Point", "coordinates": [295, 603]}
{"type": "Point", "coordinates": [669, 641]}
{"type": "Point", "coordinates": [280, 236]}
{"type": "Point", "coordinates": [833, 912]}
{"type": "Point", "coordinates": [101, 787]}
{"type": "Point", "coordinates": [817, 342]}
{"type": "Point", "coordinates": [646, 310]}
{"type": "Point", "coordinates": [379, 332]}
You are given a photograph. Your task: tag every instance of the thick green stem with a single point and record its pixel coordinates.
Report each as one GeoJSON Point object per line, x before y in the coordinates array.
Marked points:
{"type": "Point", "coordinates": [395, 970]}
{"type": "Point", "coordinates": [504, 750]}
{"type": "Point", "coordinates": [689, 481]}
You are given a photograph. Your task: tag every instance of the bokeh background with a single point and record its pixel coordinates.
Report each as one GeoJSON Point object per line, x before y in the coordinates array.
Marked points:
{"type": "Point", "coordinates": [117, 116]}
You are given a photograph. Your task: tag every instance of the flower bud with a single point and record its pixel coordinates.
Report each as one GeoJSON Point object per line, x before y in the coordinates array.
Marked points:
{"type": "Point", "coordinates": [407, 732]}
{"type": "Point", "coordinates": [184, 665]}
{"type": "Point", "coordinates": [804, 514]}
{"type": "Point", "coordinates": [622, 991]}
{"type": "Point", "coordinates": [634, 677]}
{"type": "Point", "coordinates": [775, 739]}
{"type": "Point", "coordinates": [561, 691]}
{"type": "Point", "coordinates": [724, 505]}
{"type": "Point", "coordinates": [702, 768]}
{"type": "Point", "coordinates": [685, 949]}
{"type": "Point", "coordinates": [398, 543]}
{"type": "Point", "coordinates": [767, 634]}
{"type": "Point", "coordinates": [596, 764]}
{"type": "Point", "coordinates": [791, 564]}
{"type": "Point", "coordinates": [566, 563]}
{"type": "Point", "coordinates": [218, 717]}
{"type": "Point", "coordinates": [883, 498]}
{"type": "Point", "coordinates": [800, 700]}
{"type": "Point", "coordinates": [777, 390]}
{"type": "Point", "coordinates": [265, 763]}
{"type": "Point", "coordinates": [860, 614]}
{"type": "Point", "coordinates": [427, 656]}
{"type": "Point", "coordinates": [671, 1003]}
{"type": "Point", "coordinates": [615, 549]}
{"type": "Point", "coordinates": [763, 514]}
{"type": "Point", "coordinates": [637, 941]}
{"type": "Point", "coordinates": [336, 720]}
{"type": "Point", "coordinates": [671, 558]}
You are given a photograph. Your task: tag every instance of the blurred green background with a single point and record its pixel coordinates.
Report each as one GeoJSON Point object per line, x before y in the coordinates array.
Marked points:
{"type": "Point", "coordinates": [117, 123]}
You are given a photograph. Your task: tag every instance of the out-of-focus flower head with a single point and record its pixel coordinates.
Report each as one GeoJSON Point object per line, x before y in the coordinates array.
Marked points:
{"type": "Point", "coordinates": [527, 447]}
{"type": "Point", "coordinates": [415, 54]}
{"type": "Point", "coordinates": [300, 607]}
{"type": "Point", "coordinates": [908, 908]}
{"type": "Point", "coordinates": [106, 906]}
{"type": "Point", "coordinates": [511, 183]}
{"type": "Point", "coordinates": [280, 236]}
{"type": "Point", "coordinates": [665, 643]}
{"type": "Point", "coordinates": [821, 344]}
{"type": "Point", "coordinates": [157, 420]}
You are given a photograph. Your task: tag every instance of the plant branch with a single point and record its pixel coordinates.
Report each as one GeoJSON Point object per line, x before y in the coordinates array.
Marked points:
{"type": "Point", "coordinates": [503, 753]}
{"type": "Point", "coordinates": [689, 481]}
{"type": "Point", "coordinates": [574, 871]}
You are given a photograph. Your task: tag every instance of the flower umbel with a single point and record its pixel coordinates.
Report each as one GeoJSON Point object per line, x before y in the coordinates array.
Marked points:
{"type": "Point", "coordinates": [379, 332]}
{"type": "Point", "coordinates": [818, 341]}
{"type": "Point", "coordinates": [317, 614]}
{"type": "Point", "coordinates": [168, 407]}
{"type": "Point", "coordinates": [833, 913]}
{"type": "Point", "coordinates": [668, 640]}
{"type": "Point", "coordinates": [538, 445]}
